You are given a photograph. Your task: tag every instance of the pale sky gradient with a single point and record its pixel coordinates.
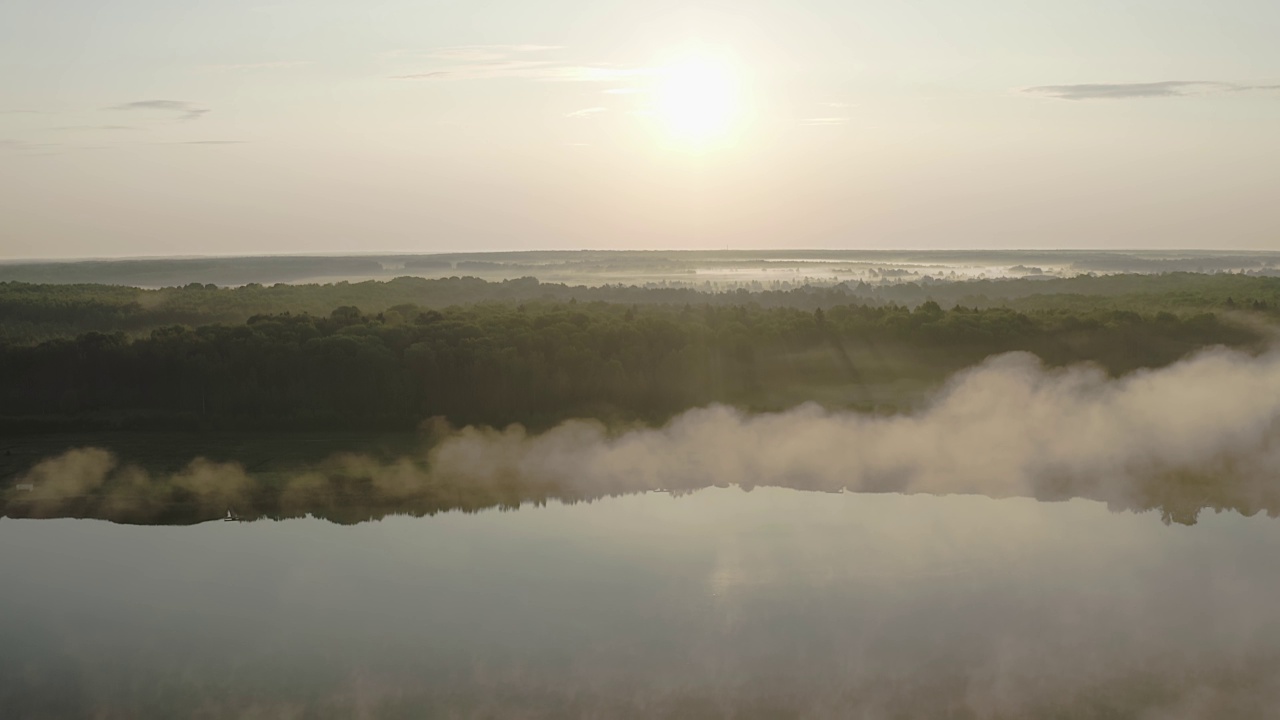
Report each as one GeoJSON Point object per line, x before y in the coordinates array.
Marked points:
{"type": "Point", "coordinates": [154, 127]}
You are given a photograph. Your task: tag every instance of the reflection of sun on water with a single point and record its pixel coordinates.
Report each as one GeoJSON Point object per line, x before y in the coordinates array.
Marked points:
{"type": "Point", "coordinates": [698, 100]}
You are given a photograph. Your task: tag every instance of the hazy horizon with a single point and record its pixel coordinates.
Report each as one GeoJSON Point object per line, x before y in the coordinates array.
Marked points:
{"type": "Point", "coordinates": [798, 251]}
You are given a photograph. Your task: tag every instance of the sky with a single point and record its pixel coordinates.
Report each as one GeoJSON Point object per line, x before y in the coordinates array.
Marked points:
{"type": "Point", "coordinates": [151, 128]}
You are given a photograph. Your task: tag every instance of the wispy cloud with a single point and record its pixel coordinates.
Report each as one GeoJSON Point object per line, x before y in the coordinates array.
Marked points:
{"type": "Point", "coordinates": [1125, 91]}
{"type": "Point", "coordinates": [485, 70]}
{"type": "Point", "coordinates": [185, 110]}
{"type": "Point", "coordinates": [839, 105]}
{"type": "Point", "coordinates": [529, 70]}
{"type": "Point", "coordinates": [824, 121]}
{"type": "Point", "coordinates": [476, 53]}
{"type": "Point", "coordinates": [437, 74]}
{"type": "Point", "coordinates": [271, 65]}
{"type": "Point", "coordinates": [505, 62]}
{"type": "Point", "coordinates": [95, 127]}
{"type": "Point", "coordinates": [585, 112]}
{"type": "Point", "coordinates": [23, 147]}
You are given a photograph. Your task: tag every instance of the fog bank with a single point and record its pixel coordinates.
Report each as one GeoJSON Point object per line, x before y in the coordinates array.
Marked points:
{"type": "Point", "coordinates": [1199, 433]}
{"type": "Point", "coordinates": [1006, 427]}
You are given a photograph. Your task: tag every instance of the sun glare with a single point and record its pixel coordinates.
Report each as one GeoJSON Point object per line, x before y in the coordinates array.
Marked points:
{"type": "Point", "coordinates": [698, 101]}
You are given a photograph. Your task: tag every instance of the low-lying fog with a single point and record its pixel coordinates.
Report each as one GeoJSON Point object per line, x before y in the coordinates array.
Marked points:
{"type": "Point", "coordinates": [929, 601]}
{"type": "Point", "coordinates": [1199, 433]}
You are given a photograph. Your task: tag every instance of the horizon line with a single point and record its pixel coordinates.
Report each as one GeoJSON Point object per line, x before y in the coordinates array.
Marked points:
{"type": "Point", "coordinates": [388, 254]}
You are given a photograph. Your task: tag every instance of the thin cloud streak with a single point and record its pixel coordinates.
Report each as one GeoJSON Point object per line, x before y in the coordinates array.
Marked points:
{"type": "Point", "coordinates": [185, 110]}
{"type": "Point", "coordinates": [530, 70]}
{"type": "Point", "coordinates": [271, 65]}
{"type": "Point", "coordinates": [29, 149]}
{"type": "Point", "coordinates": [439, 74]}
{"type": "Point", "coordinates": [23, 144]}
{"type": "Point", "coordinates": [482, 53]}
{"type": "Point", "coordinates": [508, 62]}
{"type": "Point", "coordinates": [95, 127]}
{"type": "Point", "coordinates": [1128, 91]}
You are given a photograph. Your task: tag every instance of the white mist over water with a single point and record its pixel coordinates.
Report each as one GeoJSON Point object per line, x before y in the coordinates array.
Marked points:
{"type": "Point", "coordinates": [811, 604]}
{"type": "Point", "coordinates": [1007, 427]}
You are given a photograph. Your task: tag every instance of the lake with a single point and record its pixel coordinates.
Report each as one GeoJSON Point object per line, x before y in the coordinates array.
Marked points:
{"type": "Point", "coordinates": [719, 603]}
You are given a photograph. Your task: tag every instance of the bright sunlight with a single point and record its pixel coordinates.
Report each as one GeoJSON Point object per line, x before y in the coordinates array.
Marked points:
{"type": "Point", "coordinates": [699, 101]}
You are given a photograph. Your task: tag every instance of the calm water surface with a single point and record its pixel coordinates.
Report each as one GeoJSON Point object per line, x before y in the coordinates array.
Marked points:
{"type": "Point", "coordinates": [724, 603]}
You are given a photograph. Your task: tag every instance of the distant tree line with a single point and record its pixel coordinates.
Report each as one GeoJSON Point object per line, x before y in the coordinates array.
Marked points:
{"type": "Point", "coordinates": [32, 313]}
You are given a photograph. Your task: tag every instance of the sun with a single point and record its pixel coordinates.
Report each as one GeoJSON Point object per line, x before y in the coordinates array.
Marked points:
{"type": "Point", "coordinates": [698, 100]}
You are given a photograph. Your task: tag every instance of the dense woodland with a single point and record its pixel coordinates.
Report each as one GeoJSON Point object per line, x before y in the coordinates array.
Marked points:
{"type": "Point", "coordinates": [540, 361]}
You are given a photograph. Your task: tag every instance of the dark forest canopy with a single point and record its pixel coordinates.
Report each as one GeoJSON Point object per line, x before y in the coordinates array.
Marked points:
{"type": "Point", "coordinates": [541, 362]}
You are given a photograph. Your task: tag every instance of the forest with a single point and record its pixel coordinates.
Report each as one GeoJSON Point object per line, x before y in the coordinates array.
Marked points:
{"type": "Point", "coordinates": [199, 367]}
{"type": "Point", "coordinates": [494, 355]}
